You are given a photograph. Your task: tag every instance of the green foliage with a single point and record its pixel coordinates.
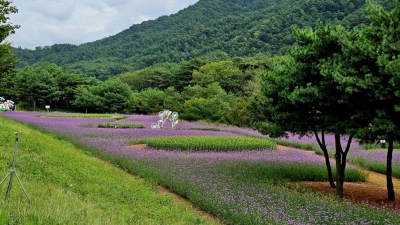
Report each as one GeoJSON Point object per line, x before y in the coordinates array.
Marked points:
{"type": "Point", "coordinates": [6, 28]}
{"type": "Point", "coordinates": [173, 100]}
{"type": "Point", "coordinates": [193, 128]}
{"type": "Point", "coordinates": [154, 77]}
{"type": "Point", "coordinates": [206, 29]}
{"type": "Point", "coordinates": [7, 71]}
{"type": "Point", "coordinates": [84, 99]}
{"type": "Point", "coordinates": [117, 125]}
{"type": "Point", "coordinates": [229, 77]}
{"type": "Point", "coordinates": [7, 58]}
{"type": "Point", "coordinates": [213, 109]}
{"type": "Point", "coordinates": [38, 84]}
{"type": "Point", "coordinates": [305, 146]}
{"type": "Point", "coordinates": [150, 100]}
{"type": "Point", "coordinates": [113, 96]}
{"type": "Point", "coordinates": [211, 143]}
{"type": "Point", "coordinates": [49, 84]}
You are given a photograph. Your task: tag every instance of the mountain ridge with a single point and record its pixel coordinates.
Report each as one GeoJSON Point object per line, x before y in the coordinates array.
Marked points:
{"type": "Point", "coordinates": [238, 27]}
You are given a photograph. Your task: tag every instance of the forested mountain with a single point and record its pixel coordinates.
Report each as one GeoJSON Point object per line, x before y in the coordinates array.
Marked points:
{"type": "Point", "coordinates": [236, 27]}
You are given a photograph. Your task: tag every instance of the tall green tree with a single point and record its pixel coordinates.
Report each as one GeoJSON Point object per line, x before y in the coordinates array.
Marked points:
{"type": "Point", "coordinates": [368, 69]}
{"type": "Point", "coordinates": [84, 99]}
{"type": "Point", "coordinates": [384, 32]}
{"type": "Point", "coordinates": [6, 28]}
{"type": "Point", "coordinates": [38, 85]}
{"type": "Point", "coordinates": [7, 70]}
{"type": "Point", "coordinates": [113, 96]}
{"type": "Point", "coordinates": [303, 99]}
{"type": "Point", "coordinates": [225, 73]}
{"type": "Point", "coordinates": [7, 58]}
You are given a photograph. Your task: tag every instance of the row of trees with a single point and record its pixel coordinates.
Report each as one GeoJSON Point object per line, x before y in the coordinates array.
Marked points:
{"type": "Point", "coordinates": [345, 82]}
{"type": "Point", "coordinates": [223, 91]}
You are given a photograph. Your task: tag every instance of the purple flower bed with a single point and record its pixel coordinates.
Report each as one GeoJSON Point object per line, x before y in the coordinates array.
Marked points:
{"type": "Point", "coordinates": [234, 186]}
{"type": "Point", "coordinates": [374, 160]}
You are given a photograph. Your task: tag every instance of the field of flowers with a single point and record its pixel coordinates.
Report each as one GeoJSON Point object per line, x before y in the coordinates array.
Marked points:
{"type": "Point", "coordinates": [373, 159]}
{"type": "Point", "coordinates": [240, 187]}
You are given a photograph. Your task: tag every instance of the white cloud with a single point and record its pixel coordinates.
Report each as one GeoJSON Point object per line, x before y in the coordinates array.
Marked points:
{"type": "Point", "coordinates": [48, 22]}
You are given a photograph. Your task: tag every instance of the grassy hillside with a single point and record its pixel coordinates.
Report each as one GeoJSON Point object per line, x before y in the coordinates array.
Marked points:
{"type": "Point", "coordinates": [68, 187]}
{"type": "Point", "coordinates": [239, 28]}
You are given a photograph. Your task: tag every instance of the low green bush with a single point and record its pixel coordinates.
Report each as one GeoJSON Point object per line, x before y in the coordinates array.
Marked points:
{"type": "Point", "coordinates": [212, 143]}
{"type": "Point", "coordinates": [193, 128]}
{"type": "Point", "coordinates": [123, 126]}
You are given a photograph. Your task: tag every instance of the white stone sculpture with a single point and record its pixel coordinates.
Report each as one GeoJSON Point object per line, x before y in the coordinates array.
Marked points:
{"type": "Point", "coordinates": [164, 116]}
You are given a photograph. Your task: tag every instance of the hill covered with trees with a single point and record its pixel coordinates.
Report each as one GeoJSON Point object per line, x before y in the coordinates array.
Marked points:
{"type": "Point", "coordinates": [209, 28]}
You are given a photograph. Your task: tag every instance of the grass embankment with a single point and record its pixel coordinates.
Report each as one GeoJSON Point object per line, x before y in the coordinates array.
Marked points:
{"type": "Point", "coordinates": [68, 187]}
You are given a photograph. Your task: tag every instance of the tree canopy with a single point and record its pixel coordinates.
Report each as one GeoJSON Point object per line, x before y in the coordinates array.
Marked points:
{"type": "Point", "coordinates": [238, 28]}
{"type": "Point", "coordinates": [7, 58]}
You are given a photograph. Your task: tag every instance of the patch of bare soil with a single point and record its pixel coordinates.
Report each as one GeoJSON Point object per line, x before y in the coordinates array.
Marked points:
{"type": "Point", "coordinates": [362, 193]}
{"type": "Point", "coordinates": [373, 192]}
{"type": "Point", "coordinates": [137, 147]}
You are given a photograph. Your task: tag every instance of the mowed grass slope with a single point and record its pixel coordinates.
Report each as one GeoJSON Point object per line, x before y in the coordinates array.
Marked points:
{"type": "Point", "coordinates": [68, 187]}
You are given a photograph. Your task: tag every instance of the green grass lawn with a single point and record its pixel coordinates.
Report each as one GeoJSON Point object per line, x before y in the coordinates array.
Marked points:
{"type": "Point", "coordinates": [66, 186]}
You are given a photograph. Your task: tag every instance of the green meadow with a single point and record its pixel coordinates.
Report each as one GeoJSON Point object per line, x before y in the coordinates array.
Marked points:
{"type": "Point", "coordinates": [67, 186]}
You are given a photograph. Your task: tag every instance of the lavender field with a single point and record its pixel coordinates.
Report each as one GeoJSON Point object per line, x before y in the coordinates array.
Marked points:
{"type": "Point", "coordinates": [371, 159]}
{"type": "Point", "coordinates": [240, 187]}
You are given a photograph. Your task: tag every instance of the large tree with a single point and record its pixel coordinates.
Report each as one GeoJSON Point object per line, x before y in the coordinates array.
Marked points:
{"type": "Point", "coordinates": [303, 99]}
{"type": "Point", "coordinates": [369, 68]}
{"type": "Point", "coordinates": [7, 59]}
{"type": "Point", "coordinates": [38, 85]}
{"type": "Point", "coordinates": [113, 96]}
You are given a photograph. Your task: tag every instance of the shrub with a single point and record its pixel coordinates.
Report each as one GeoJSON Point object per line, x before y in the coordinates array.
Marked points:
{"type": "Point", "coordinates": [212, 143]}
{"type": "Point", "coordinates": [213, 109]}
{"type": "Point", "coordinates": [150, 100]}
{"type": "Point", "coordinates": [115, 125]}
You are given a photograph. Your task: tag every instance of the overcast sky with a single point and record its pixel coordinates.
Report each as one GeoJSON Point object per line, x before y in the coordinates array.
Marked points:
{"type": "Point", "coordinates": [48, 22]}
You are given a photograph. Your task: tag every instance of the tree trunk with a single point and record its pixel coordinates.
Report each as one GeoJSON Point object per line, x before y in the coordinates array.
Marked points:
{"type": "Point", "coordinates": [86, 110]}
{"type": "Point", "coordinates": [328, 166]}
{"type": "Point", "coordinates": [390, 188]}
{"type": "Point", "coordinates": [322, 145]}
{"type": "Point", "coordinates": [67, 103]}
{"type": "Point", "coordinates": [341, 159]}
{"type": "Point", "coordinates": [34, 105]}
{"type": "Point", "coordinates": [339, 172]}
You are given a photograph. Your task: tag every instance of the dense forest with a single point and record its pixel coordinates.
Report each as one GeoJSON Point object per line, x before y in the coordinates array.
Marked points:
{"type": "Point", "coordinates": [206, 29]}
